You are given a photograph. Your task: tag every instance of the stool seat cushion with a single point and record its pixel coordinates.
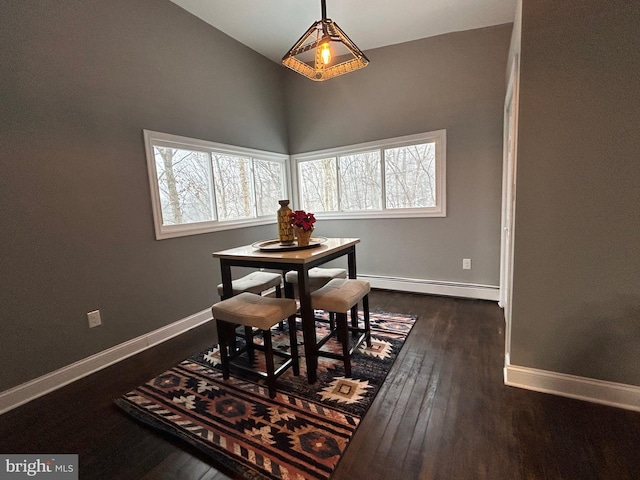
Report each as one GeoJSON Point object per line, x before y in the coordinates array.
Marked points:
{"type": "Point", "coordinates": [339, 295]}
{"type": "Point", "coordinates": [255, 282]}
{"type": "Point", "coordinates": [253, 310]}
{"type": "Point", "coordinates": [318, 277]}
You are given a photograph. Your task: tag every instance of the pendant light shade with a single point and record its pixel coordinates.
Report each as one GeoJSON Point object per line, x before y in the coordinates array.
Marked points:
{"type": "Point", "coordinates": [324, 51]}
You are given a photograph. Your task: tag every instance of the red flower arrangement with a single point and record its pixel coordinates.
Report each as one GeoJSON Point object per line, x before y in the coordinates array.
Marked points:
{"type": "Point", "coordinates": [302, 220]}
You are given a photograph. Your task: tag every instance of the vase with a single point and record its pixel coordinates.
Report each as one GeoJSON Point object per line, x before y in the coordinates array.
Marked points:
{"type": "Point", "coordinates": [304, 236]}
{"type": "Point", "coordinates": [285, 230]}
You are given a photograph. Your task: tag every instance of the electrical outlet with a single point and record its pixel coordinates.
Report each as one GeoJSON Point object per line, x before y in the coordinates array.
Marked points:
{"type": "Point", "coordinates": [466, 264]}
{"type": "Point", "coordinates": [94, 319]}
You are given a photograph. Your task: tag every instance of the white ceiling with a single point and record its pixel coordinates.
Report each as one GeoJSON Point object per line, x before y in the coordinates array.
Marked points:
{"type": "Point", "coordinates": [271, 27]}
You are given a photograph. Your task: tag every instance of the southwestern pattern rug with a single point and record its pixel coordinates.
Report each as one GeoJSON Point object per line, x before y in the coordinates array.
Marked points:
{"type": "Point", "coordinates": [300, 434]}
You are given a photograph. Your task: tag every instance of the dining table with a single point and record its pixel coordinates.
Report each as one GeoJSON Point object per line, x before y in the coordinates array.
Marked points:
{"type": "Point", "coordinates": [270, 255]}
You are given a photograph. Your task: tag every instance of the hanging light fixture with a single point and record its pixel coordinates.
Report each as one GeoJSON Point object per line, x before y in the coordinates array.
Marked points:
{"type": "Point", "coordinates": [324, 51]}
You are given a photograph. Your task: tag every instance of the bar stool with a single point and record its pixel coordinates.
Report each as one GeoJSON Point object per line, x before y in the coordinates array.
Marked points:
{"type": "Point", "coordinates": [255, 282]}
{"type": "Point", "coordinates": [256, 311]}
{"type": "Point", "coordinates": [339, 296]}
{"type": "Point", "coordinates": [318, 278]}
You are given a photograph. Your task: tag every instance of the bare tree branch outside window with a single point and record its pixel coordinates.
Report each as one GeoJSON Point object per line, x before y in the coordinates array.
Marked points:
{"type": "Point", "coordinates": [188, 179]}
{"type": "Point", "coordinates": [232, 186]}
{"type": "Point", "coordinates": [354, 182]}
{"type": "Point", "coordinates": [360, 181]}
{"type": "Point", "coordinates": [268, 185]}
{"type": "Point", "coordinates": [185, 185]}
{"type": "Point", "coordinates": [319, 185]}
{"type": "Point", "coordinates": [199, 186]}
{"type": "Point", "coordinates": [410, 176]}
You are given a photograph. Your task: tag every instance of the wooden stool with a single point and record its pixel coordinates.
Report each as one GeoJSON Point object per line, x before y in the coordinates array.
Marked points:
{"type": "Point", "coordinates": [252, 310]}
{"type": "Point", "coordinates": [339, 296]}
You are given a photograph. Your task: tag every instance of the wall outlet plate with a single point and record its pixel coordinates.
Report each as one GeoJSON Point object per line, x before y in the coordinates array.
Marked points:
{"type": "Point", "coordinates": [94, 319]}
{"type": "Point", "coordinates": [466, 264]}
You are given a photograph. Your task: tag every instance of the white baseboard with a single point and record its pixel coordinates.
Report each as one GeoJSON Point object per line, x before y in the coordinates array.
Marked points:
{"type": "Point", "coordinates": [21, 394]}
{"type": "Point", "coordinates": [434, 287]}
{"type": "Point", "coordinates": [598, 391]}
{"type": "Point", "coordinates": [608, 393]}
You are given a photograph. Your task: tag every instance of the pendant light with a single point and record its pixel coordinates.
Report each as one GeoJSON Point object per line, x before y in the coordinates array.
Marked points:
{"type": "Point", "coordinates": [324, 51]}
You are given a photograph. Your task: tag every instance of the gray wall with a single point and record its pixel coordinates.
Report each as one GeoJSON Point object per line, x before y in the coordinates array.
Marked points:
{"type": "Point", "coordinates": [453, 82]}
{"type": "Point", "coordinates": [576, 296]}
{"type": "Point", "coordinates": [80, 80]}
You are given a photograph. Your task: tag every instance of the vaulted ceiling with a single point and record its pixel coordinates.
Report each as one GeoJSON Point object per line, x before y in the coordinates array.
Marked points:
{"type": "Point", "coordinates": [271, 27]}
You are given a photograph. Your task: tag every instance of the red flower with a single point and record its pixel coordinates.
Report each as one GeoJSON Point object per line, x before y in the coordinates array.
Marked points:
{"type": "Point", "coordinates": [302, 220]}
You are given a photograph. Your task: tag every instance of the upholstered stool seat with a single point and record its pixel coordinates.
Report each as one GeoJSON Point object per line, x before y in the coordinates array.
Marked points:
{"type": "Point", "coordinates": [255, 282]}
{"type": "Point", "coordinates": [255, 311]}
{"type": "Point", "coordinates": [318, 277]}
{"type": "Point", "coordinates": [339, 296]}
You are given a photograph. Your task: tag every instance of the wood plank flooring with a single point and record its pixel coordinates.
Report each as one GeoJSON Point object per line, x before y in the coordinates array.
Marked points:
{"type": "Point", "coordinates": [443, 413]}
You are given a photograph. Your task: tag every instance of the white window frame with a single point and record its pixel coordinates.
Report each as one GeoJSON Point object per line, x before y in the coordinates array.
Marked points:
{"type": "Point", "coordinates": [162, 231]}
{"type": "Point", "coordinates": [439, 137]}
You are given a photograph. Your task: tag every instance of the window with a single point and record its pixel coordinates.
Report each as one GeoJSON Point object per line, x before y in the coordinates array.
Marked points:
{"type": "Point", "coordinates": [199, 186]}
{"type": "Point", "coordinates": [398, 177]}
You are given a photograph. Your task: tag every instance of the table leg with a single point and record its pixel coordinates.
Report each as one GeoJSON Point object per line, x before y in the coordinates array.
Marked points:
{"type": "Point", "coordinates": [225, 270]}
{"type": "Point", "coordinates": [227, 292]}
{"type": "Point", "coordinates": [351, 265]}
{"type": "Point", "coordinates": [308, 324]}
{"type": "Point", "coordinates": [351, 262]}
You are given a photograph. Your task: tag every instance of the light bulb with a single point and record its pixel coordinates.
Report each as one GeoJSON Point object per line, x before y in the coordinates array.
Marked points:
{"type": "Point", "coordinates": [325, 52]}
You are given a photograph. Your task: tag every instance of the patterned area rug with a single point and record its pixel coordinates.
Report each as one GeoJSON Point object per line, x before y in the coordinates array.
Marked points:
{"type": "Point", "coordinates": [300, 434]}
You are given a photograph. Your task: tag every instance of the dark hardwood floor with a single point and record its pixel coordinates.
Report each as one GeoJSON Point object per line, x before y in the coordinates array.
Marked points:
{"type": "Point", "coordinates": [443, 413]}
